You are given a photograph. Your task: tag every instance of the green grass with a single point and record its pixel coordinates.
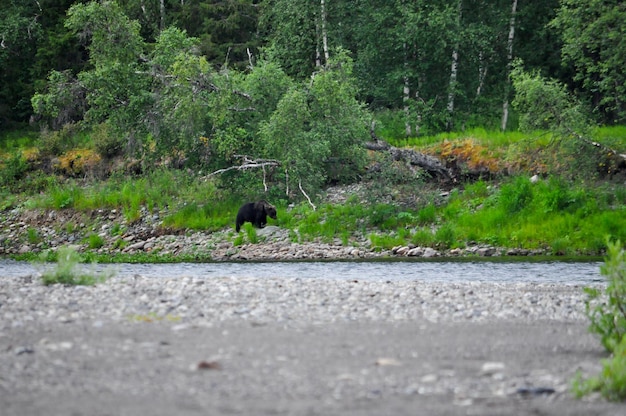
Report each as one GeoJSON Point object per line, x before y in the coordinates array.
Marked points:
{"type": "Point", "coordinates": [17, 139]}
{"type": "Point", "coordinates": [568, 219]}
{"type": "Point", "coordinates": [488, 138]}
{"type": "Point", "coordinates": [161, 188]}
{"type": "Point", "coordinates": [612, 136]}
{"type": "Point", "coordinates": [567, 216]}
{"type": "Point", "coordinates": [67, 270]}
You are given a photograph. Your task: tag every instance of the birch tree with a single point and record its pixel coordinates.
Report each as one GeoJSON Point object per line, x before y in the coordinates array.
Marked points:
{"type": "Point", "coordinates": [454, 68]}
{"type": "Point", "coordinates": [324, 34]}
{"type": "Point", "coordinates": [509, 56]}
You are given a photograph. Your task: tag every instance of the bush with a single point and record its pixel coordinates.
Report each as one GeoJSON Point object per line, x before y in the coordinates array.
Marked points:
{"type": "Point", "coordinates": [608, 313]}
{"type": "Point", "coordinates": [78, 162]}
{"type": "Point", "coordinates": [66, 270]}
{"type": "Point", "coordinates": [106, 142]}
{"type": "Point", "coordinates": [12, 171]}
{"type": "Point", "coordinates": [608, 319]}
{"type": "Point", "coordinates": [611, 382]}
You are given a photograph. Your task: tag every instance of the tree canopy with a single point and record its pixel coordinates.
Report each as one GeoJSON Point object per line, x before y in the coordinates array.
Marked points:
{"type": "Point", "coordinates": [297, 81]}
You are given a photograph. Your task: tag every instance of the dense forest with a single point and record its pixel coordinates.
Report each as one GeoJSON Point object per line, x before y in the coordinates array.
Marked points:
{"type": "Point", "coordinates": [302, 84]}
{"type": "Point", "coordinates": [445, 62]}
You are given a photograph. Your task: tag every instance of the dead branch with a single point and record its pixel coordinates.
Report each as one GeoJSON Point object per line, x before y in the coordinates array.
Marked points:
{"type": "Point", "coordinates": [247, 163]}
{"type": "Point", "coordinates": [305, 195]}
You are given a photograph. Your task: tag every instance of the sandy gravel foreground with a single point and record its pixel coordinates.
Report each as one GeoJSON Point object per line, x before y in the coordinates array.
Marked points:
{"type": "Point", "coordinates": [273, 346]}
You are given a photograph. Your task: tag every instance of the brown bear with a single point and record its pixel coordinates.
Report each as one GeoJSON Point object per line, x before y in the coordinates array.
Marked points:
{"type": "Point", "coordinates": [256, 213]}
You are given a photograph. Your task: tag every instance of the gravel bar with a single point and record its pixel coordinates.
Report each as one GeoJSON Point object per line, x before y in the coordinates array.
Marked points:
{"type": "Point", "coordinates": [140, 345]}
{"type": "Point", "coordinates": [206, 301]}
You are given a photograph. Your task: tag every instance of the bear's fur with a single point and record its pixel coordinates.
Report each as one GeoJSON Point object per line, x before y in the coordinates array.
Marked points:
{"type": "Point", "coordinates": [256, 213]}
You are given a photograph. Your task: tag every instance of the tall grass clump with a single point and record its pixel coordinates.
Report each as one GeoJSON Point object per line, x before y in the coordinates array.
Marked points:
{"type": "Point", "coordinates": [607, 312]}
{"type": "Point", "coordinates": [67, 269]}
{"type": "Point", "coordinates": [208, 216]}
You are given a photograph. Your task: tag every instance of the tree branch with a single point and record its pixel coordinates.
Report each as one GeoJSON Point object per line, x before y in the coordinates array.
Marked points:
{"type": "Point", "coordinates": [247, 164]}
{"type": "Point", "coordinates": [305, 195]}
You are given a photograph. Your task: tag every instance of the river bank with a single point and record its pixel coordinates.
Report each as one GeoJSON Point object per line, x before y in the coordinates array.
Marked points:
{"type": "Point", "coordinates": [107, 233]}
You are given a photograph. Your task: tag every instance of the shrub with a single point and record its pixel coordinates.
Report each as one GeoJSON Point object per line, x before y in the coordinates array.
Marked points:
{"type": "Point", "coordinates": [427, 215]}
{"type": "Point", "coordinates": [611, 382]}
{"type": "Point", "coordinates": [33, 235]}
{"type": "Point", "coordinates": [66, 270]}
{"type": "Point", "coordinates": [78, 162]}
{"type": "Point", "coordinates": [608, 319]}
{"type": "Point", "coordinates": [608, 314]}
{"type": "Point", "coordinates": [106, 142]}
{"type": "Point", "coordinates": [12, 171]}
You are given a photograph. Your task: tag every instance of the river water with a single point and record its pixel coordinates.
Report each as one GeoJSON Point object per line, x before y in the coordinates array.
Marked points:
{"type": "Point", "coordinates": [573, 273]}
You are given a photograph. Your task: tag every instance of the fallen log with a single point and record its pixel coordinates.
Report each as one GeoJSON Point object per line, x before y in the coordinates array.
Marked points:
{"type": "Point", "coordinates": [430, 164]}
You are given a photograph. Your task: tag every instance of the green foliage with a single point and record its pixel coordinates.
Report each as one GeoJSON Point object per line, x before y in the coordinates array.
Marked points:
{"type": "Point", "coordinates": [547, 105]}
{"type": "Point", "coordinates": [607, 313]}
{"type": "Point", "coordinates": [423, 237]}
{"type": "Point", "coordinates": [611, 382]}
{"type": "Point", "coordinates": [67, 270]}
{"type": "Point", "coordinates": [13, 171]}
{"type": "Point", "coordinates": [515, 196]}
{"type": "Point", "coordinates": [32, 235]}
{"type": "Point", "coordinates": [94, 241]}
{"type": "Point", "coordinates": [210, 217]}
{"type": "Point", "coordinates": [105, 141]}
{"type": "Point", "coordinates": [536, 215]}
{"type": "Point", "coordinates": [427, 215]}
{"type": "Point", "coordinates": [592, 35]}
{"type": "Point", "coordinates": [445, 236]}
{"type": "Point", "coordinates": [62, 101]}
{"type": "Point", "coordinates": [251, 234]}
{"type": "Point", "coordinates": [160, 188]}
{"type": "Point", "coordinates": [317, 131]}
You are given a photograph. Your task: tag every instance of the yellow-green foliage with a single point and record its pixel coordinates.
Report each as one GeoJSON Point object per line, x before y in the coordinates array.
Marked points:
{"type": "Point", "coordinates": [78, 162]}
{"type": "Point", "coordinates": [470, 152]}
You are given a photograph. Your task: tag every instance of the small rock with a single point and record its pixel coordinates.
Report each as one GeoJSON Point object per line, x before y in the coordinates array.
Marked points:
{"type": "Point", "coordinates": [491, 368]}
{"type": "Point", "coordinates": [383, 362]}
{"type": "Point", "coordinates": [486, 251]}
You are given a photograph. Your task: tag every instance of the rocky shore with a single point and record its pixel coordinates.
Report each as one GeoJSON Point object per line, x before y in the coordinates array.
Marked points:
{"type": "Point", "coordinates": [32, 231]}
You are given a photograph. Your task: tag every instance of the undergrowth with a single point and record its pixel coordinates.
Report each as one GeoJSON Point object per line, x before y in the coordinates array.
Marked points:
{"type": "Point", "coordinates": [67, 269]}
{"type": "Point", "coordinates": [607, 312]}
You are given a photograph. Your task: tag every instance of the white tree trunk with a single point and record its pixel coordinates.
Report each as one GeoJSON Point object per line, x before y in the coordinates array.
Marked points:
{"type": "Point", "coordinates": [482, 73]}
{"type": "Point", "coordinates": [406, 94]}
{"type": "Point", "coordinates": [454, 71]}
{"type": "Point", "coordinates": [406, 91]}
{"type": "Point", "coordinates": [318, 55]}
{"type": "Point", "coordinates": [505, 105]}
{"type": "Point", "coordinates": [324, 33]}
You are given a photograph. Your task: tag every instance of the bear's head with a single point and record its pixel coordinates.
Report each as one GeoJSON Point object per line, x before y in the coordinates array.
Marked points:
{"type": "Point", "coordinates": [270, 210]}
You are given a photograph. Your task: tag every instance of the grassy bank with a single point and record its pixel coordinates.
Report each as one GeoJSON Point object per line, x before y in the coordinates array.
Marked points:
{"type": "Point", "coordinates": [557, 212]}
